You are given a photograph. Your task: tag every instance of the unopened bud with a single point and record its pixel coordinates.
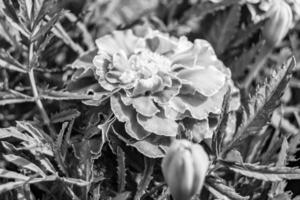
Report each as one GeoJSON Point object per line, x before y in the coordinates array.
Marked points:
{"type": "Point", "coordinates": [184, 169]}
{"type": "Point", "coordinates": [279, 22]}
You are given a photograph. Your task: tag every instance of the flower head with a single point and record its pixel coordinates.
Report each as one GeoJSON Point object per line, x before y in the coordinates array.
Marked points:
{"type": "Point", "coordinates": [159, 86]}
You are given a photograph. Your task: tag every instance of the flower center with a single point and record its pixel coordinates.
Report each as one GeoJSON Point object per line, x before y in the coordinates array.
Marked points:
{"type": "Point", "coordinates": [147, 63]}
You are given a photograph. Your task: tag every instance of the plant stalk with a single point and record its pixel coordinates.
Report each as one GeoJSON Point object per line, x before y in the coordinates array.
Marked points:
{"type": "Point", "coordinates": [36, 96]}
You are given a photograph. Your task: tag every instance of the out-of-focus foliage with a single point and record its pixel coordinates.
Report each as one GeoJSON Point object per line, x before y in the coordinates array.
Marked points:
{"type": "Point", "coordinates": [92, 93]}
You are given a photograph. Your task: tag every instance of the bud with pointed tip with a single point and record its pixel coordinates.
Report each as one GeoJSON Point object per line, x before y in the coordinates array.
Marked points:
{"type": "Point", "coordinates": [184, 169]}
{"type": "Point", "coordinates": [279, 22]}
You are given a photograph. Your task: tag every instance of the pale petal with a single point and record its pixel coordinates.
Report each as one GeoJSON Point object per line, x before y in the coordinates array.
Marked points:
{"type": "Point", "coordinates": [153, 146]}
{"type": "Point", "coordinates": [159, 124]}
{"type": "Point", "coordinates": [206, 80]}
{"type": "Point", "coordinates": [197, 108]}
{"type": "Point", "coordinates": [152, 85]}
{"type": "Point", "coordinates": [145, 106]}
{"type": "Point", "coordinates": [128, 115]}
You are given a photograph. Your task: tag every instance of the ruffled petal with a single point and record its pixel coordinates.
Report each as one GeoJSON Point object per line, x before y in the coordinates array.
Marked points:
{"type": "Point", "coordinates": [128, 115]}
{"type": "Point", "coordinates": [119, 40]}
{"type": "Point", "coordinates": [153, 146]}
{"type": "Point", "coordinates": [160, 43]}
{"type": "Point", "coordinates": [199, 109]}
{"type": "Point", "coordinates": [152, 85]}
{"type": "Point", "coordinates": [143, 105]}
{"type": "Point", "coordinates": [159, 124]}
{"type": "Point", "coordinates": [206, 80]}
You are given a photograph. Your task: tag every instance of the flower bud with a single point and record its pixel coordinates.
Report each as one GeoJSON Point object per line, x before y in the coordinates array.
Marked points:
{"type": "Point", "coordinates": [184, 169]}
{"type": "Point", "coordinates": [279, 22]}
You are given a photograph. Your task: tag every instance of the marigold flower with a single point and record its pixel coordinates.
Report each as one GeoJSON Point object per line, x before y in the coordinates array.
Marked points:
{"type": "Point", "coordinates": [159, 86]}
{"type": "Point", "coordinates": [184, 168]}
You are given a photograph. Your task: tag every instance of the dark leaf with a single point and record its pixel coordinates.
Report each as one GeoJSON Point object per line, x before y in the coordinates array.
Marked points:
{"type": "Point", "coordinates": [263, 172]}
{"type": "Point", "coordinates": [263, 103]}
{"type": "Point", "coordinates": [220, 190]}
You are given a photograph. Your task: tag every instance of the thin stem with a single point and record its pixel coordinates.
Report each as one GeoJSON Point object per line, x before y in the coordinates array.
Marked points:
{"type": "Point", "coordinates": [36, 97]}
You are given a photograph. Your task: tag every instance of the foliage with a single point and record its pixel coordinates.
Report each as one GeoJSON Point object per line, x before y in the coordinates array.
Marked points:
{"type": "Point", "coordinates": [92, 94]}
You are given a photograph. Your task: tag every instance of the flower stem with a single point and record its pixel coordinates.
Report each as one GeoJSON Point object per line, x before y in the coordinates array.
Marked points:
{"type": "Point", "coordinates": [36, 96]}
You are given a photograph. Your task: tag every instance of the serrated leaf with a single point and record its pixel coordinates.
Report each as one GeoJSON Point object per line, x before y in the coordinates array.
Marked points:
{"type": "Point", "coordinates": [239, 66]}
{"type": "Point", "coordinates": [263, 172]}
{"type": "Point", "coordinates": [23, 163]}
{"type": "Point", "coordinates": [65, 115]}
{"type": "Point", "coordinates": [245, 34]}
{"type": "Point", "coordinates": [261, 105]}
{"type": "Point", "coordinates": [203, 9]}
{"type": "Point", "coordinates": [63, 95]}
{"type": "Point", "coordinates": [219, 185]}
{"type": "Point", "coordinates": [224, 29]}
{"type": "Point", "coordinates": [219, 132]}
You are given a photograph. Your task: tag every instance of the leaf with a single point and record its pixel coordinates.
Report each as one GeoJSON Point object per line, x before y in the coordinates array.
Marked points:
{"type": "Point", "coordinates": [23, 163]}
{"type": "Point", "coordinates": [283, 153]}
{"type": "Point", "coordinates": [219, 132]}
{"type": "Point", "coordinates": [46, 28]}
{"type": "Point", "coordinates": [25, 11]}
{"type": "Point", "coordinates": [239, 66]}
{"type": "Point", "coordinates": [63, 95]}
{"type": "Point", "coordinates": [12, 175]}
{"type": "Point", "coordinates": [245, 34]}
{"type": "Point", "coordinates": [6, 57]}
{"type": "Point", "coordinates": [224, 29]}
{"type": "Point", "coordinates": [263, 172]}
{"type": "Point", "coordinates": [14, 101]}
{"type": "Point", "coordinates": [65, 115]}
{"type": "Point", "coordinates": [12, 132]}
{"type": "Point", "coordinates": [203, 9]}
{"type": "Point", "coordinates": [47, 7]}
{"type": "Point", "coordinates": [10, 11]}
{"type": "Point", "coordinates": [146, 178]}
{"type": "Point", "coordinates": [74, 181]}
{"type": "Point", "coordinates": [283, 196]}
{"type": "Point", "coordinates": [121, 169]}
{"type": "Point", "coordinates": [219, 185]}
{"type": "Point", "coordinates": [263, 103]}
